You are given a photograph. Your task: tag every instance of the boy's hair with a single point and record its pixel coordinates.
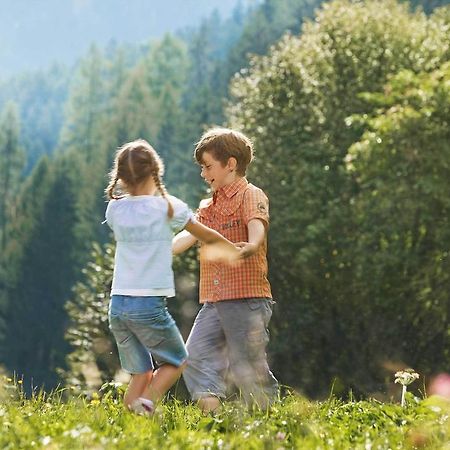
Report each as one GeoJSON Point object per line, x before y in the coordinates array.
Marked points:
{"type": "Point", "coordinates": [223, 144]}
{"type": "Point", "coordinates": [134, 163]}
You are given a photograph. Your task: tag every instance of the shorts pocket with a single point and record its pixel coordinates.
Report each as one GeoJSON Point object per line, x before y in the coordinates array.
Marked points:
{"type": "Point", "coordinates": [254, 303]}
{"type": "Point", "coordinates": [268, 308]}
{"type": "Point", "coordinates": [256, 344]}
{"type": "Point", "coordinates": [121, 333]}
{"type": "Point", "coordinates": [149, 336]}
{"type": "Point", "coordinates": [159, 318]}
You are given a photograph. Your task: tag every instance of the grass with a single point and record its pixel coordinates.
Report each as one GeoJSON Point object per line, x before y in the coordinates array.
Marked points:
{"type": "Point", "coordinates": [61, 420]}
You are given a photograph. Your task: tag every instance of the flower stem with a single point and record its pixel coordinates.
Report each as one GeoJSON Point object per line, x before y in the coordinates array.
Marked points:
{"type": "Point", "coordinates": [403, 395]}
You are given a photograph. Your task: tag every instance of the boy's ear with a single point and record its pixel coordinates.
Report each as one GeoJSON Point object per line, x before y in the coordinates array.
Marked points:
{"type": "Point", "coordinates": [232, 163]}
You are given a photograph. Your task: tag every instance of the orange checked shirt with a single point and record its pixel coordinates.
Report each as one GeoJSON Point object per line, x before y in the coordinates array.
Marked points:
{"type": "Point", "coordinates": [228, 212]}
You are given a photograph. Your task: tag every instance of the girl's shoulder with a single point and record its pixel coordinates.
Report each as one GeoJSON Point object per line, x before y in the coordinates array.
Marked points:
{"type": "Point", "coordinates": [139, 203]}
{"type": "Point", "coordinates": [137, 199]}
{"type": "Point", "coordinates": [116, 201]}
{"type": "Point", "coordinates": [112, 203]}
{"type": "Point", "coordinates": [175, 200]}
{"type": "Point", "coordinates": [181, 213]}
{"type": "Point", "coordinates": [178, 205]}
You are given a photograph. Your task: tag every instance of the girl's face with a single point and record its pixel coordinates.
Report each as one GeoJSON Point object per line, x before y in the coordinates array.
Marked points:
{"type": "Point", "coordinates": [215, 174]}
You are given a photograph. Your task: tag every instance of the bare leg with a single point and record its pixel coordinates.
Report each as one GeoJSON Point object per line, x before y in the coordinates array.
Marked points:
{"type": "Point", "coordinates": [137, 386]}
{"type": "Point", "coordinates": [163, 379]}
{"type": "Point", "coordinates": [209, 404]}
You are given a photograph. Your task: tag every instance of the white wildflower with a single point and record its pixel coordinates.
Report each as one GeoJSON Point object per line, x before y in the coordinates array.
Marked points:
{"type": "Point", "coordinates": [405, 378]}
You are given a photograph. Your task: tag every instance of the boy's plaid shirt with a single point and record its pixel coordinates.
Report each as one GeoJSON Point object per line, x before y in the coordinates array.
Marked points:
{"type": "Point", "coordinates": [228, 212]}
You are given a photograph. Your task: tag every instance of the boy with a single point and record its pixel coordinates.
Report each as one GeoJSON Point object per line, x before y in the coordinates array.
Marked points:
{"type": "Point", "coordinates": [230, 334]}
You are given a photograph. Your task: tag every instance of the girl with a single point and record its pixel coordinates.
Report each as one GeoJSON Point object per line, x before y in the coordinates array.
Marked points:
{"type": "Point", "coordinates": [143, 223]}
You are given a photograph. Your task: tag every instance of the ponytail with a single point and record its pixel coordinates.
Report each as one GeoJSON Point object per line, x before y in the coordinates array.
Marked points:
{"type": "Point", "coordinates": [163, 191]}
{"type": "Point", "coordinates": [111, 187]}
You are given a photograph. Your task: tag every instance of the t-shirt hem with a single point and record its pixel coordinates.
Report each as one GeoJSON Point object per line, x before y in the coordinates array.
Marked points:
{"type": "Point", "coordinates": [164, 292]}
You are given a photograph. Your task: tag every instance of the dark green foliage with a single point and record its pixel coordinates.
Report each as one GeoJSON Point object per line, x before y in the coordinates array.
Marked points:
{"type": "Point", "coordinates": [42, 265]}
{"type": "Point", "coordinates": [266, 24]}
{"type": "Point", "coordinates": [94, 358]}
{"type": "Point", "coordinates": [402, 212]}
{"type": "Point", "coordinates": [48, 241]}
{"type": "Point", "coordinates": [12, 160]}
{"type": "Point", "coordinates": [11, 165]}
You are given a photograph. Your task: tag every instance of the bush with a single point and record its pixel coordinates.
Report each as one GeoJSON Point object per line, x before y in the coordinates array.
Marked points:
{"type": "Point", "coordinates": [294, 103]}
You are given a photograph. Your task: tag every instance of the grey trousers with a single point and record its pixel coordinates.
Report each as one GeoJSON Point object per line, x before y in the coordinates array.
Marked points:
{"type": "Point", "coordinates": [227, 346]}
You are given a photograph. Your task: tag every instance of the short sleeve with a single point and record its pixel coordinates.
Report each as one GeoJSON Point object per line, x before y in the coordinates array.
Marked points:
{"type": "Point", "coordinates": [182, 214]}
{"type": "Point", "coordinates": [109, 214]}
{"type": "Point", "coordinates": [255, 206]}
{"type": "Point", "coordinates": [199, 214]}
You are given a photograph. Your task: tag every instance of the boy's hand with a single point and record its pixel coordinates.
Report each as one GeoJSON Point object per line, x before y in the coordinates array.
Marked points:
{"type": "Point", "coordinates": [256, 236]}
{"type": "Point", "coordinates": [247, 249]}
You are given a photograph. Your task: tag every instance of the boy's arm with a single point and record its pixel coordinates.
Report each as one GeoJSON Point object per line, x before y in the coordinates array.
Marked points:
{"type": "Point", "coordinates": [256, 216]}
{"type": "Point", "coordinates": [256, 236]}
{"type": "Point", "coordinates": [182, 241]}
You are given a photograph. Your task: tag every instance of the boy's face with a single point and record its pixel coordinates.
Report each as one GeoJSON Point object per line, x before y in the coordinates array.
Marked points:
{"type": "Point", "coordinates": [215, 173]}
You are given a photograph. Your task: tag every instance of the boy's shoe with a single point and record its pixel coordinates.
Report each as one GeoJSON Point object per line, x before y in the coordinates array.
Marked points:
{"type": "Point", "coordinates": [143, 407]}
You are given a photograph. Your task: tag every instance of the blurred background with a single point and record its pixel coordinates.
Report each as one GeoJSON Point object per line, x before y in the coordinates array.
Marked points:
{"type": "Point", "coordinates": [347, 103]}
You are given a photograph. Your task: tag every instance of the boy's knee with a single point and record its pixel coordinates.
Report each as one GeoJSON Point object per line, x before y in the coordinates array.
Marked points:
{"type": "Point", "coordinates": [209, 404]}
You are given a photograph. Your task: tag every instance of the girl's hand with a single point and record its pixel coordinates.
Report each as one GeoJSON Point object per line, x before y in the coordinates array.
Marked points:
{"type": "Point", "coordinates": [220, 252]}
{"type": "Point", "coordinates": [216, 247]}
{"type": "Point", "coordinates": [247, 249]}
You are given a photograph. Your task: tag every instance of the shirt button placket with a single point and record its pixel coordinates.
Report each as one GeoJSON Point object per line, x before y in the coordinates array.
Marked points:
{"type": "Point", "coordinates": [216, 283]}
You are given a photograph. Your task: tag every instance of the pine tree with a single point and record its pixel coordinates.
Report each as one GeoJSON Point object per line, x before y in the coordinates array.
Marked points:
{"type": "Point", "coordinates": [40, 98]}
{"type": "Point", "coordinates": [12, 161]}
{"type": "Point", "coordinates": [20, 235]}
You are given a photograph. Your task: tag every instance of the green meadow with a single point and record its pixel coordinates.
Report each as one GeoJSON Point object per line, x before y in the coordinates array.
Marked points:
{"type": "Point", "coordinates": [62, 420]}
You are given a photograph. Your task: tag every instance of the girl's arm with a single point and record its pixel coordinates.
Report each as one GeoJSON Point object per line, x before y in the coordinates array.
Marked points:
{"type": "Point", "coordinates": [182, 241]}
{"type": "Point", "coordinates": [222, 249]}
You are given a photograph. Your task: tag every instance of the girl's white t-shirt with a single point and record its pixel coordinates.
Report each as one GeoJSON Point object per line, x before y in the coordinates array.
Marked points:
{"type": "Point", "coordinates": [143, 232]}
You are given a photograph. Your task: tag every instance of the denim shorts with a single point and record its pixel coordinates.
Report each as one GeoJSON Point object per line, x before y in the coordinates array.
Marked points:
{"type": "Point", "coordinates": [144, 329]}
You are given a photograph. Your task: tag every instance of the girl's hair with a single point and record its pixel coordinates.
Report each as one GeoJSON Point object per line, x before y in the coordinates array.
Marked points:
{"type": "Point", "coordinates": [134, 163]}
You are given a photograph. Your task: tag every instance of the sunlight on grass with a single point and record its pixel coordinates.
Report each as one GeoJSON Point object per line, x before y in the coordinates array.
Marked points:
{"type": "Point", "coordinates": [60, 420]}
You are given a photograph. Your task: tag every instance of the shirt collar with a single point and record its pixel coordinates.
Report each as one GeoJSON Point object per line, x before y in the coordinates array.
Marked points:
{"type": "Point", "coordinates": [233, 188]}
